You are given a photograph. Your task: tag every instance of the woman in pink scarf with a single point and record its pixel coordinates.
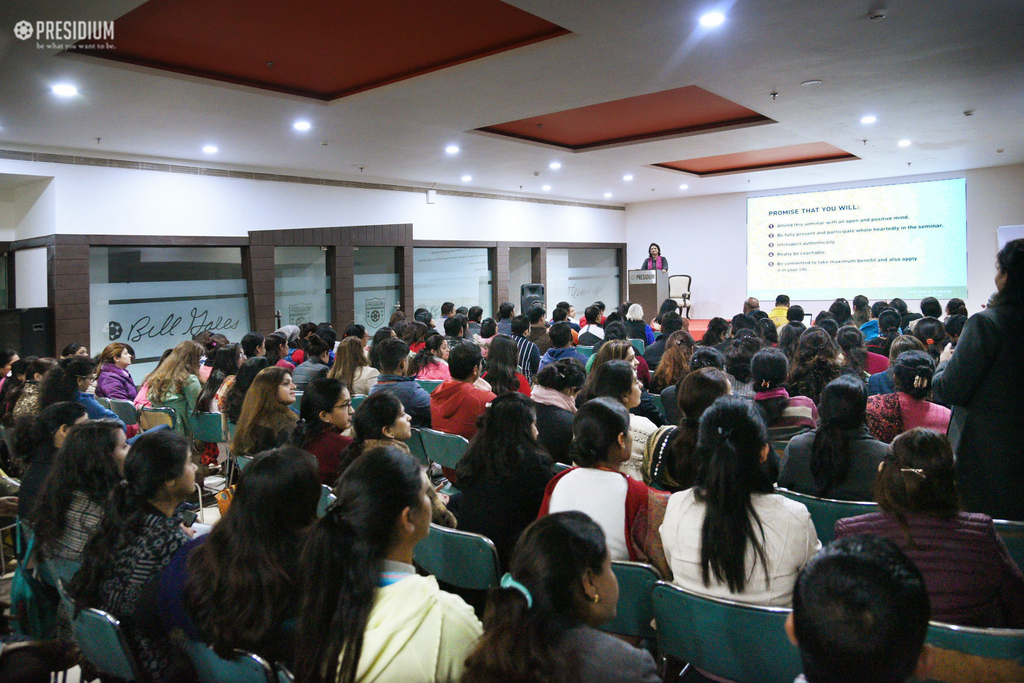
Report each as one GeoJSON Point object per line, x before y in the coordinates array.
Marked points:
{"type": "Point", "coordinates": [655, 260]}
{"type": "Point", "coordinates": [554, 391]}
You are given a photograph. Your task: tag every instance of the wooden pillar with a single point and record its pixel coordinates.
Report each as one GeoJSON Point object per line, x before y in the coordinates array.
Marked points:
{"type": "Point", "coordinates": [539, 268]}
{"type": "Point", "coordinates": [341, 266]}
{"type": "Point", "coordinates": [499, 265]}
{"type": "Point", "coordinates": [67, 284]}
{"type": "Point", "coordinates": [258, 266]}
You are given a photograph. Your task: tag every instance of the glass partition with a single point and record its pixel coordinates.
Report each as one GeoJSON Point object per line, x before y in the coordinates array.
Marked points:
{"type": "Point", "coordinates": [520, 272]}
{"type": "Point", "coordinates": [152, 298]}
{"type": "Point", "coordinates": [375, 283]}
{"type": "Point", "coordinates": [462, 276]}
{"type": "Point", "coordinates": [583, 276]}
{"type": "Point", "coordinates": [302, 288]}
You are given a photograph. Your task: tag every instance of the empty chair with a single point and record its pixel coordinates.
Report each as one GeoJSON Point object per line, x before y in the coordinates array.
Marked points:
{"type": "Point", "coordinates": [825, 511]}
{"type": "Point", "coordinates": [732, 640]}
{"type": "Point", "coordinates": [245, 667]}
{"type": "Point", "coordinates": [679, 291]}
{"type": "Point", "coordinates": [458, 558]}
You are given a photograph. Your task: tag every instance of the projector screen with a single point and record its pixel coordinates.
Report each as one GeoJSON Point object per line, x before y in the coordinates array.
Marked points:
{"type": "Point", "coordinates": [907, 240]}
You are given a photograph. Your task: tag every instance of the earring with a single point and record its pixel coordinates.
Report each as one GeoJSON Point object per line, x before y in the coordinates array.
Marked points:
{"type": "Point", "coordinates": [597, 598]}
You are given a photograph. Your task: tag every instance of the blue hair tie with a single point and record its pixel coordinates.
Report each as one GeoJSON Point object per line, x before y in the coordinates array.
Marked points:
{"type": "Point", "coordinates": [508, 582]}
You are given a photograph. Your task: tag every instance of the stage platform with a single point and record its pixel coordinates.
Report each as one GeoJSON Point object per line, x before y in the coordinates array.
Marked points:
{"type": "Point", "coordinates": [698, 327]}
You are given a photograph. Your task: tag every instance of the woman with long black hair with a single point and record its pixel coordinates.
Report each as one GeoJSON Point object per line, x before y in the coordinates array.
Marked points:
{"type": "Point", "coordinates": [365, 614]}
{"type": "Point", "coordinates": [839, 458]}
{"type": "Point", "coordinates": [326, 412]}
{"type": "Point", "coordinates": [730, 536]}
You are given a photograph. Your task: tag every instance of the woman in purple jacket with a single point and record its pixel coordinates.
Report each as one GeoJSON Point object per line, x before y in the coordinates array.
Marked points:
{"type": "Point", "coordinates": [114, 380]}
{"type": "Point", "coordinates": [971, 579]}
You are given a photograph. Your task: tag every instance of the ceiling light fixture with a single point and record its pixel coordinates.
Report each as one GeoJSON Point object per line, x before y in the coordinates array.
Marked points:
{"type": "Point", "coordinates": [451, 149]}
{"type": "Point", "coordinates": [712, 19]}
{"type": "Point", "coordinates": [301, 125]}
{"type": "Point", "coordinates": [811, 83]}
{"type": "Point", "coordinates": [466, 178]}
{"type": "Point", "coordinates": [65, 90]}
{"type": "Point", "coordinates": [546, 188]}
{"type": "Point", "coordinates": [554, 165]}
{"type": "Point", "coordinates": [627, 177]}
{"type": "Point", "coordinates": [868, 119]}
{"type": "Point", "coordinates": [684, 187]}
{"type": "Point", "coordinates": [210, 149]}
{"type": "Point", "coordinates": [607, 195]}
{"type": "Point", "coordinates": [904, 143]}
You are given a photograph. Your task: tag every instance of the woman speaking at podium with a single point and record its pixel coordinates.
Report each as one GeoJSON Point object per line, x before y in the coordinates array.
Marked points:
{"type": "Point", "coordinates": [655, 261]}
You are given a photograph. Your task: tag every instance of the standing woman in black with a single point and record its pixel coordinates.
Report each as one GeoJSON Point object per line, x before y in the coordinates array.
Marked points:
{"type": "Point", "coordinates": [981, 380]}
{"type": "Point", "coordinates": [655, 261]}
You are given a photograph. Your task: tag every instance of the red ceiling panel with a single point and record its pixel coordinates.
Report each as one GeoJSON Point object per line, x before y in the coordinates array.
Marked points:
{"type": "Point", "coordinates": [761, 160]}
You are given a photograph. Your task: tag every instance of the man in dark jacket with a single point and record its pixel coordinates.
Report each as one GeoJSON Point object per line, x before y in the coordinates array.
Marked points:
{"type": "Point", "coordinates": [394, 355]}
{"type": "Point", "coordinates": [670, 322]}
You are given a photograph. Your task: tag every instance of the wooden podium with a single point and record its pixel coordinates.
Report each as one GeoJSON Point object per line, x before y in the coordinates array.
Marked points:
{"type": "Point", "coordinates": [648, 288]}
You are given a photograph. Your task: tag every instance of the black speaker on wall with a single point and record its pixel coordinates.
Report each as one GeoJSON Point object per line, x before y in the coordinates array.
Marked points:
{"type": "Point", "coordinates": [29, 331]}
{"type": "Point", "coordinates": [529, 295]}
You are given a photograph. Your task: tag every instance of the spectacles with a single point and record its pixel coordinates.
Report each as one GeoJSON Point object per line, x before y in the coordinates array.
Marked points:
{"type": "Point", "coordinates": [345, 405]}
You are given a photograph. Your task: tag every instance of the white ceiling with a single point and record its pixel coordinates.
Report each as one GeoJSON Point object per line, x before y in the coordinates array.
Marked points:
{"type": "Point", "coordinates": [918, 70]}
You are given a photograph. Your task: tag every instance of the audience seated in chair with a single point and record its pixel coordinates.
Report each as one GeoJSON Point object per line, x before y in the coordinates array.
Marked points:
{"type": "Point", "coordinates": [325, 414]}
{"type": "Point", "coordinates": [555, 397]}
{"type": "Point", "coordinates": [393, 355]}
{"type": "Point", "coordinates": [457, 403]}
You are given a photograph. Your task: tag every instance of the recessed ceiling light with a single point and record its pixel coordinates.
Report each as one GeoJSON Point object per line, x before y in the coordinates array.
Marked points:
{"type": "Point", "coordinates": [868, 119]}
{"type": "Point", "coordinates": [451, 149]}
{"type": "Point", "coordinates": [466, 178]}
{"type": "Point", "coordinates": [546, 188]}
{"type": "Point", "coordinates": [607, 195]}
{"type": "Point", "coordinates": [65, 90]}
{"type": "Point", "coordinates": [684, 187]}
{"type": "Point", "coordinates": [301, 125]}
{"type": "Point", "coordinates": [904, 143]}
{"type": "Point", "coordinates": [627, 177]}
{"type": "Point", "coordinates": [210, 149]}
{"type": "Point", "coordinates": [554, 165]}
{"type": "Point", "coordinates": [712, 19]}
{"type": "Point", "coordinates": [811, 83]}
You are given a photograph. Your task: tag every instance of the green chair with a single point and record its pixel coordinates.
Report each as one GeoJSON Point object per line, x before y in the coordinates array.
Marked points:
{"type": "Point", "coordinates": [243, 461]}
{"type": "Point", "coordinates": [993, 643]}
{"type": "Point", "coordinates": [326, 498]}
{"type": "Point", "coordinates": [658, 402]}
{"type": "Point", "coordinates": [429, 384]}
{"type": "Point", "coordinates": [415, 444]}
{"type": "Point", "coordinates": [639, 345]}
{"type": "Point", "coordinates": [559, 466]}
{"type": "Point", "coordinates": [102, 641]}
{"type": "Point", "coordinates": [458, 558]}
{"type": "Point", "coordinates": [284, 675]}
{"type": "Point", "coordinates": [1012, 534]}
{"type": "Point", "coordinates": [125, 410]}
{"type": "Point", "coordinates": [727, 639]}
{"type": "Point", "coordinates": [585, 351]}
{"type": "Point", "coordinates": [444, 449]}
{"type": "Point", "coordinates": [103, 401]}
{"type": "Point", "coordinates": [357, 399]}
{"type": "Point", "coordinates": [150, 417]}
{"type": "Point", "coordinates": [208, 427]}
{"type": "Point", "coordinates": [635, 611]}
{"type": "Point", "coordinates": [297, 406]}
{"type": "Point", "coordinates": [246, 667]}
{"type": "Point", "coordinates": [825, 511]}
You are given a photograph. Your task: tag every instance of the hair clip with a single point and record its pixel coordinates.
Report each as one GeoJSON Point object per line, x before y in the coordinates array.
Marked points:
{"type": "Point", "coordinates": [919, 473]}
{"type": "Point", "coordinates": [508, 582]}
{"type": "Point", "coordinates": [929, 342]}
{"type": "Point", "coordinates": [765, 383]}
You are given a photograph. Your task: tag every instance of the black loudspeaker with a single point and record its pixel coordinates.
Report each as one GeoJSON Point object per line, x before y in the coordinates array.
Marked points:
{"type": "Point", "coordinates": [29, 331]}
{"type": "Point", "coordinates": [530, 295]}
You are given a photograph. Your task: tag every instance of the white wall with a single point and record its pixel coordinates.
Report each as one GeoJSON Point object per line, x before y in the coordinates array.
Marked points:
{"type": "Point", "coordinates": [30, 278]}
{"type": "Point", "coordinates": [96, 200]}
{"type": "Point", "coordinates": [705, 237]}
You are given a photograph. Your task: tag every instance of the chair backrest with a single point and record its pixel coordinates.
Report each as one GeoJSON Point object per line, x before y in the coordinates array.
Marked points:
{"type": "Point", "coordinates": [415, 444]}
{"type": "Point", "coordinates": [429, 384]}
{"type": "Point", "coordinates": [326, 498]}
{"type": "Point", "coordinates": [150, 417]}
{"type": "Point", "coordinates": [357, 399]}
{"type": "Point", "coordinates": [246, 667]}
{"type": "Point", "coordinates": [727, 639]}
{"type": "Point", "coordinates": [635, 610]}
{"type": "Point", "coordinates": [458, 558]}
{"type": "Point", "coordinates": [559, 466]}
{"type": "Point", "coordinates": [678, 286]}
{"type": "Point", "coordinates": [102, 641]}
{"type": "Point", "coordinates": [125, 410]}
{"type": "Point", "coordinates": [639, 345]}
{"type": "Point", "coordinates": [825, 511]}
{"type": "Point", "coordinates": [103, 401]}
{"type": "Point", "coordinates": [658, 402]}
{"type": "Point", "coordinates": [992, 643]}
{"type": "Point", "coordinates": [284, 674]}
{"type": "Point", "coordinates": [243, 461]}
{"type": "Point", "coordinates": [1012, 534]}
{"type": "Point", "coordinates": [444, 449]}
{"type": "Point", "coordinates": [585, 351]}
{"type": "Point", "coordinates": [208, 427]}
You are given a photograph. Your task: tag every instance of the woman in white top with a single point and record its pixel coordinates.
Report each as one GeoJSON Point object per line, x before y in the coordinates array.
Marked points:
{"type": "Point", "coordinates": [617, 379]}
{"type": "Point", "coordinates": [730, 536]}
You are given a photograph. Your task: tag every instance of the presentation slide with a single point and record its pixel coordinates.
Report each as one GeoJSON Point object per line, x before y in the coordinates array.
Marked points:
{"type": "Point", "coordinates": [907, 240]}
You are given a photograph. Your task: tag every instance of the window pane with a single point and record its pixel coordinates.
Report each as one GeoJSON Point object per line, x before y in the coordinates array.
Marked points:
{"type": "Point", "coordinates": [302, 290]}
{"type": "Point", "coordinates": [152, 298]}
{"type": "Point", "coordinates": [376, 286]}
{"type": "Point", "coordinates": [461, 276]}
{"type": "Point", "coordinates": [583, 276]}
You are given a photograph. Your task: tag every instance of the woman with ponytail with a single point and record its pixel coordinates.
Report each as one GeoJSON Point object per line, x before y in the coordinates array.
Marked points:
{"type": "Point", "coordinates": [889, 321]}
{"type": "Point", "coordinates": [365, 614]}
{"type": "Point", "coordinates": [542, 624]}
{"type": "Point", "coordinates": [891, 414]}
{"type": "Point", "coordinates": [730, 536]}
{"type": "Point", "coordinates": [839, 459]}
{"type": "Point", "coordinates": [970, 577]}
{"type": "Point", "coordinates": [326, 413]}
{"type": "Point", "coordinates": [431, 362]}
{"type": "Point", "coordinates": [69, 380]}
{"type": "Point", "coordinates": [139, 534]}
{"type": "Point", "coordinates": [815, 363]}
{"type": "Point", "coordinates": [503, 473]}
{"type": "Point", "coordinates": [784, 416]}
